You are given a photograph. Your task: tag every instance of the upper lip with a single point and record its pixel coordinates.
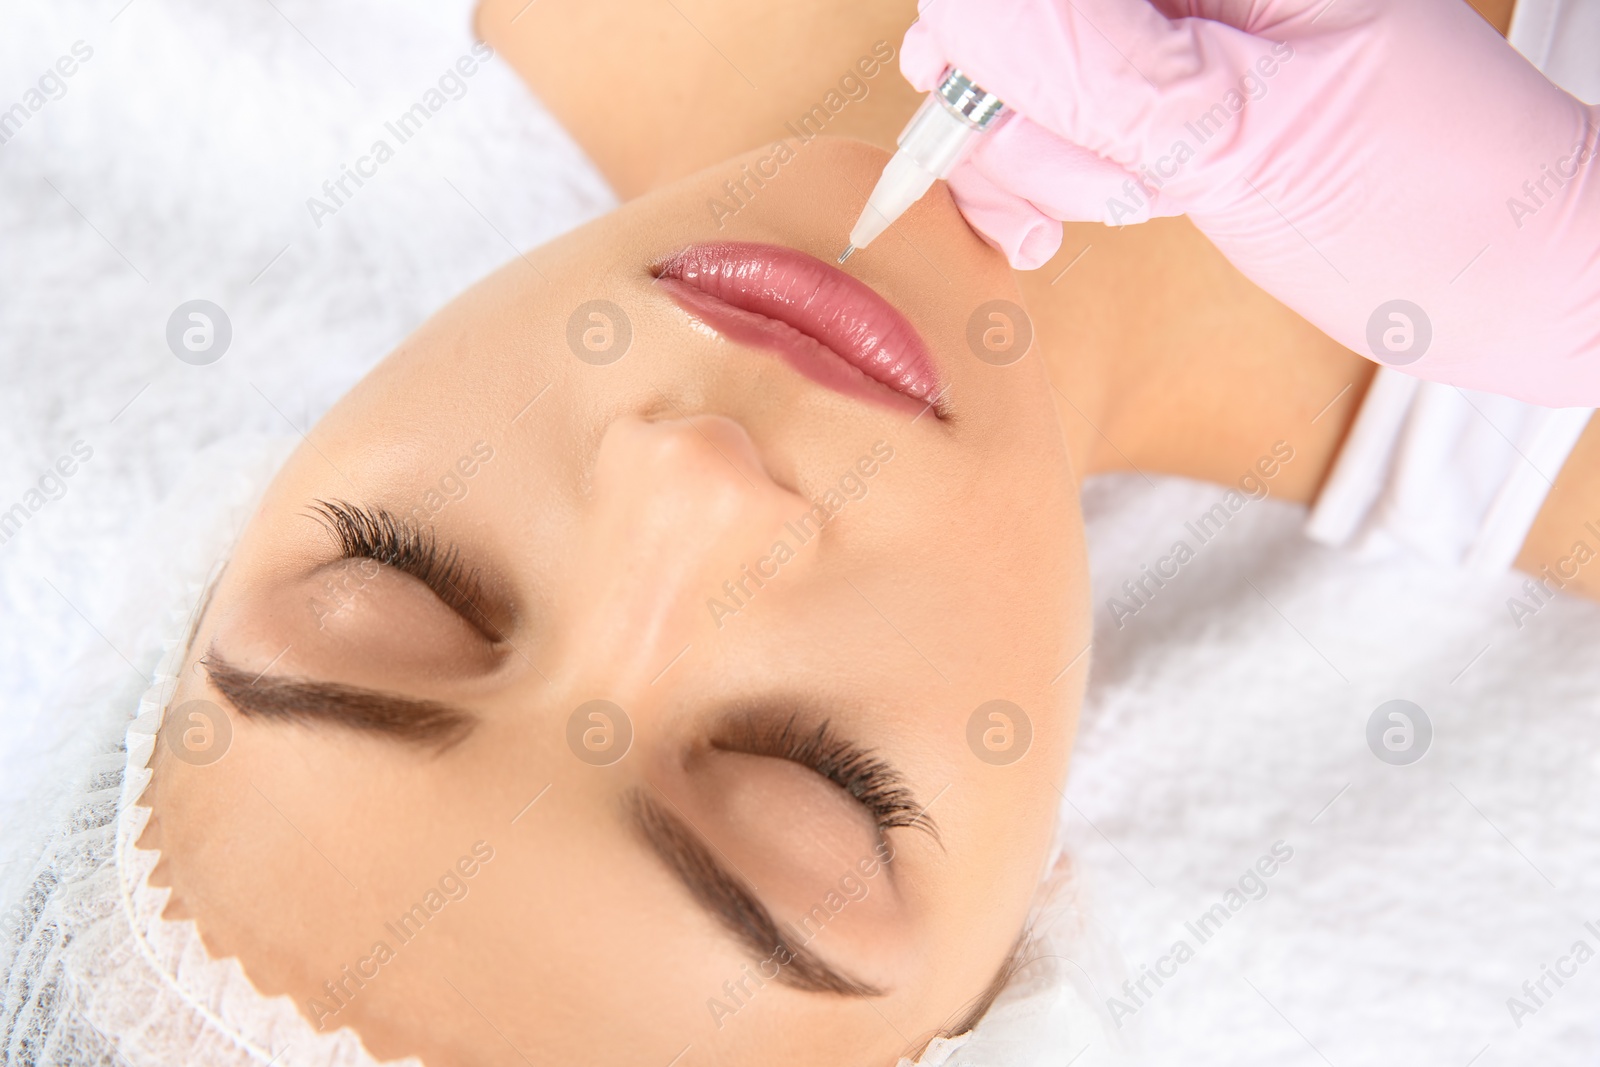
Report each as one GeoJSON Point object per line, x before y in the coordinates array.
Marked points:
{"type": "Point", "coordinates": [842, 314]}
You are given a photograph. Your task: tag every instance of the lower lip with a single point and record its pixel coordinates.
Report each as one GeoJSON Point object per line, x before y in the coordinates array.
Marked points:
{"type": "Point", "coordinates": [825, 324]}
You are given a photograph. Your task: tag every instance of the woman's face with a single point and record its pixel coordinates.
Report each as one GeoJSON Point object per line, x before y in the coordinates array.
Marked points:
{"type": "Point", "coordinates": [609, 673]}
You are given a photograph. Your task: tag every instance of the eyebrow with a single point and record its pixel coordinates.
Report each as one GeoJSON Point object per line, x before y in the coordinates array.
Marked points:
{"type": "Point", "coordinates": [729, 901]}
{"type": "Point", "coordinates": [426, 723]}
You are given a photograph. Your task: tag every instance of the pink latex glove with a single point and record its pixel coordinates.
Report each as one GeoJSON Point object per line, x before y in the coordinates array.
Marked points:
{"type": "Point", "coordinates": [1391, 169]}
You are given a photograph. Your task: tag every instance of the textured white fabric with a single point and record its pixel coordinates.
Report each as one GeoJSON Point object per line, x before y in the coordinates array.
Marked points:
{"type": "Point", "coordinates": [1232, 712]}
{"type": "Point", "coordinates": [1214, 725]}
{"type": "Point", "coordinates": [1452, 475]}
{"type": "Point", "coordinates": [99, 976]}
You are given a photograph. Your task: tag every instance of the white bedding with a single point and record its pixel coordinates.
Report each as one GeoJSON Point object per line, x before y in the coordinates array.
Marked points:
{"type": "Point", "coordinates": [1226, 716]}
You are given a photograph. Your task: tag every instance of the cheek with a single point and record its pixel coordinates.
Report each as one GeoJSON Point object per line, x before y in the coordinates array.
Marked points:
{"type": "Point", "coordinates": [1013, 605]}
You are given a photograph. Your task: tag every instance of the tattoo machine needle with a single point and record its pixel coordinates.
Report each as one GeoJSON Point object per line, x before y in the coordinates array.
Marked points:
{"type": "Point", "coordinates": [939, 136]}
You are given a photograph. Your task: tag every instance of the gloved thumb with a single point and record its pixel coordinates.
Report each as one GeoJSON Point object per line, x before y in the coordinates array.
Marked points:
{"type": "Point", "coordinates": [1063, 180]}
{"type": "Point", "coordinates": [1023, 180]}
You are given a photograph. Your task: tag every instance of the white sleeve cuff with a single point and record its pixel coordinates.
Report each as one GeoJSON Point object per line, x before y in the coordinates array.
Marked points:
{"type": "Point", "coordinates": [1451, 475]}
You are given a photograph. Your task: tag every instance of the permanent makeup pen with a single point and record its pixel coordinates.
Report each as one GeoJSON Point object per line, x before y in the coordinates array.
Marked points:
{"type": "Point", "coordinates": [938, 137]}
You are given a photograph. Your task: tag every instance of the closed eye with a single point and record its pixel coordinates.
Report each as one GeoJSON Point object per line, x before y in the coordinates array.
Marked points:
{"type": "Point", "coordinates": [868, 778]}
{"type": "Point", "coordinates": [375, 533]}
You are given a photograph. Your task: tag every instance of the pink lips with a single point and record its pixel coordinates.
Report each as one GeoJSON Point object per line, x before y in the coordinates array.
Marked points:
{"type": "Point", "coordinates": [827, 325]}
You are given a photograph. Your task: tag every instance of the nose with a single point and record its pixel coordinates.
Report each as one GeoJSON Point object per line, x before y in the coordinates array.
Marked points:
{"type": "Point", "coordinates": [676, 507]}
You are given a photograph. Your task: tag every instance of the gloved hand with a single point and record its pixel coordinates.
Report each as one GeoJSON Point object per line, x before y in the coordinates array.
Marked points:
{"type": "Point", "coordinates": [1391, 169]}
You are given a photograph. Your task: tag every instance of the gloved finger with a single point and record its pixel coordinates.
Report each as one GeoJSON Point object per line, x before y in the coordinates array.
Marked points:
{"type": "Point", "coordinates": [1026, 235]}
{"type": "Point", "coordinates": [1064, 180]}
{"type": "Point", "coordinates": [922, 58]}
{"type": "Point", "coordinates": [1115, 76]}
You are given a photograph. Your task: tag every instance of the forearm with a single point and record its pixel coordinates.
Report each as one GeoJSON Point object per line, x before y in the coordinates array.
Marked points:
{"type": "Point", "coordinates": [1563, 548]}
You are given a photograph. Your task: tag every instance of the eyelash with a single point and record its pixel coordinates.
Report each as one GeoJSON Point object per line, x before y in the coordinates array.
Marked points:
{"type": "Point", "coordinates": [855, 770]}
{"type": "Point", "coordinates": [376, 534]}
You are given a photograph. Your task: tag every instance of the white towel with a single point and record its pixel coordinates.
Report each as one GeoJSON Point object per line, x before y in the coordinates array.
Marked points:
{"type": "Point", "coordinates": [1217, 721]}
{"type": "Point", "coordinates": [1232, 712]}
